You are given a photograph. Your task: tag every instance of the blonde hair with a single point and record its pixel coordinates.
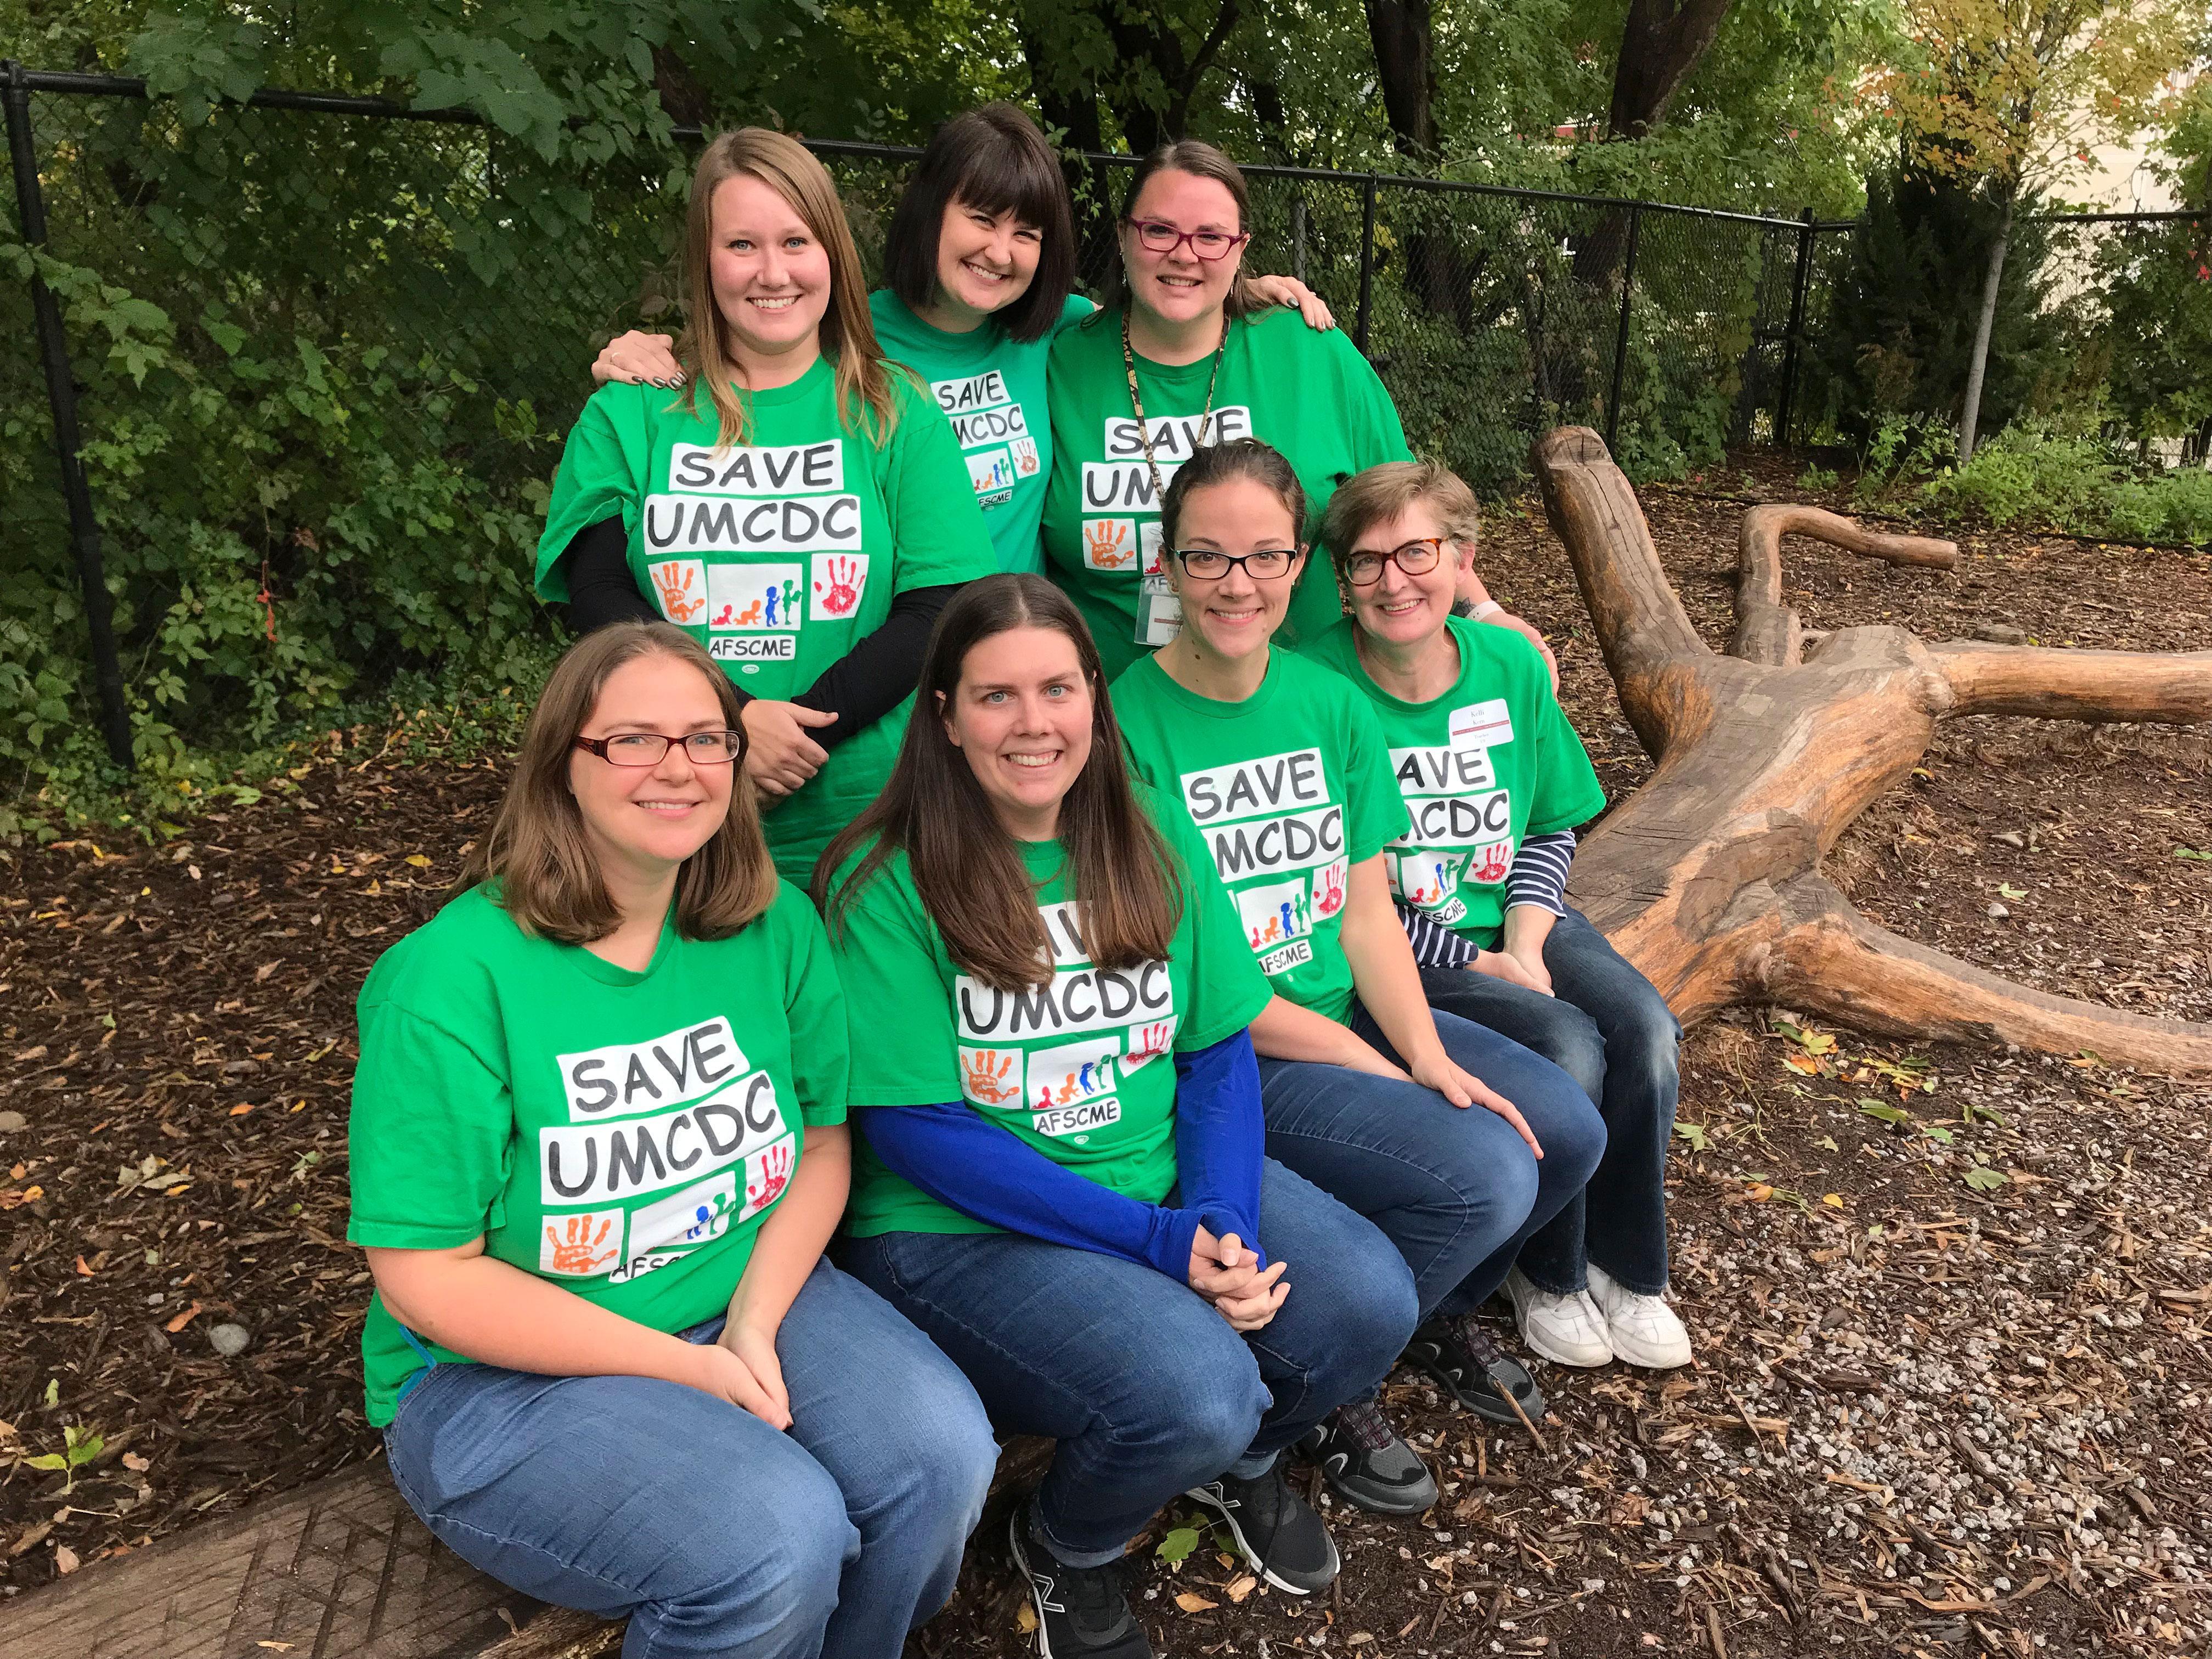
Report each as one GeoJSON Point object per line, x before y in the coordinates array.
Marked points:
{"type": "Point", "coordinates": [546, 875]}
{"type": "Point", "coordinates": [1382, 493]}
{"type": "Point", "coordinates": [866, 402]}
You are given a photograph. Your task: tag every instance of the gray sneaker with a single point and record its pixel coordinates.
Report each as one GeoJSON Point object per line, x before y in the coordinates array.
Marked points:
{"type": "Point", "coordinates": [1368, 1463]}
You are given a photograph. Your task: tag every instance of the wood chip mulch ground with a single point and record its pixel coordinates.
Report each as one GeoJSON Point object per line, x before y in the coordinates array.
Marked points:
{"type": "Point", "coordinates": [1953, 1394]}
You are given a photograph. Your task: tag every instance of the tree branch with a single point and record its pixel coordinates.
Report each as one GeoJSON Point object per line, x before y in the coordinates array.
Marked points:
{"type": "Point", "coordinates": [1837, 962]}
{"type": "Point", "coordinates": [1766, 630]}
{"type": "Point", "coordinates": [2052, 683]}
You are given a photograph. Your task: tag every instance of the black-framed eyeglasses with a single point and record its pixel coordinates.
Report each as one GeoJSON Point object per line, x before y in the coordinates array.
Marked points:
{"type": "Point", "coordinates": [1267, 565]}
{"type": "Point", "coordinates": [650, 747]}
{"type": "Point", "coordinates": [1158, 236]}
{"type": "Point", "coordinates": [1415, 558]}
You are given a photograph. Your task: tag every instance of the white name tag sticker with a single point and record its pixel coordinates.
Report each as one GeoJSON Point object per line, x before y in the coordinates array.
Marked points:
{"type": "Point", "coordinates": [1481, 725]}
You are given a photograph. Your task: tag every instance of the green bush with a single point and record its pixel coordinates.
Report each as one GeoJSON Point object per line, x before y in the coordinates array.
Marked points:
{"type": "Point", "coordinates": [2029, 477]}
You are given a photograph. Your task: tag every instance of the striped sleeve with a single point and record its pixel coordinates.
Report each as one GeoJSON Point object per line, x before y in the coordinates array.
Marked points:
{"type": "Point", "coordinates": [1539, 875]}
{"type": "Point", "coordinates": [1435, 946]}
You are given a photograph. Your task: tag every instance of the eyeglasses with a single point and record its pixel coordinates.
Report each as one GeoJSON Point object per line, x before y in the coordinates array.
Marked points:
{"type": "Point", "coordinates": [1415, 558]}
{"type": "Point", "coordinates": [650, 747]}
{"type": "Point", "coordinates": [1160, 237]}
{"type": "Point", "coordinates": [1267, 565]}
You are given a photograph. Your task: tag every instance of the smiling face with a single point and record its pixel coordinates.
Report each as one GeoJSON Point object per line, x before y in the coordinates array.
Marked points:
{"type": "Point", "coordinates": [1022, 715]}
{"type": "Point", "coordinates": [1232, 616]}
{"type": "Point", "coordinates": [1179, 287]}
{"type": "Point", "coordinates": [1405, 610]}
{"type": "Point", "coordinates": [985, 261]}
{"type": "Point", "coordinates": [770, 273]}
{"type": "Point", "coordinates": [646, 820]}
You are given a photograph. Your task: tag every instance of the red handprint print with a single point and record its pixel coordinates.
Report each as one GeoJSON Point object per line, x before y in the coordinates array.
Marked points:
{"type": "Point", "coordinates": [987, 1082]}
{"type": "Point", "coordinates": [1330, 899]}
{"type": "Point", "coordinates": [673, 582]}
{"type": "Point", "coordinates": [1105, 543]}
{"type": "Point", "coordinates": [837, 593]}
{"type": "Point", "coordinates": [1496, 859]}
{"type": "Point", "coordinates": [1152, 1041]}
{"type": "Point", "coordinates": [576, 1248]}
{"type": "Point", "coordinates": [767, 1174]}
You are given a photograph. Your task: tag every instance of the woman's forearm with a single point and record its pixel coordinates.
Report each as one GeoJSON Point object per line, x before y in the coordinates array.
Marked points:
{"type": "Point", "coordinates": [1284, 1030]}
{"type": "Point", "coordinates": [498, 1314]}
{"type": "Point", "coordinates": [791, 1240]}
{"type": "Point", "coordinates": [1527, 928]}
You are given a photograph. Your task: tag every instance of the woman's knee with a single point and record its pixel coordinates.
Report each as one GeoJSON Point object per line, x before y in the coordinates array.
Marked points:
{"type": "Point", "coordinates": [1206, 1406]}
{"type": "Point", "coordinates": [951, 1456]}
{"type": "Point", "coordinates": [768, 1589]}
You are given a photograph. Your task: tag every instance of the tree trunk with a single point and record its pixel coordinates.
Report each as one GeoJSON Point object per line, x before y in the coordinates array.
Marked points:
{"type": "Point", "coordinates": [1661, 43]}
{"type": "Point", "coordinates": [1405, 67]}
{"type": "Point", "coordinates": [1707, 878]}
{"type": "Point", "coordinates": [1970, 417]}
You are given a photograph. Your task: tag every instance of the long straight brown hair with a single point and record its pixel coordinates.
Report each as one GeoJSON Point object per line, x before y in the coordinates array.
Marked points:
{"type": "Point", "coordinates": [545, 875]}
{"type": "Point", "coordinates": [968, 870]}
{"type": "Point", "coordinates": [865, 397]}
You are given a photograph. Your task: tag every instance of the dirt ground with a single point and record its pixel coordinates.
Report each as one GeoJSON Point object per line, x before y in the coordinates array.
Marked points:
{"type": "Point", "coordinates": [1952, 1394]}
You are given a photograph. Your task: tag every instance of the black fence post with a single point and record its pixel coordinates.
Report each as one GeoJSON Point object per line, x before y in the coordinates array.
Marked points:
{"type": "Point", "coordinates": [1366, 267]}
{"type": "Point", "coordinates": [61, 396]}
{"type": "Point", "coordinates": [1790, 339]}
{"type": "Point", "coordinates": [1621, 343]}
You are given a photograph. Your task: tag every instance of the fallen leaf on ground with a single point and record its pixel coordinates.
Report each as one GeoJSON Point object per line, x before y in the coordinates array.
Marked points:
{"type": "Point", "coordinates": [183, 1319]}
{"type": "Point", "coordinates": [1191, 1601]}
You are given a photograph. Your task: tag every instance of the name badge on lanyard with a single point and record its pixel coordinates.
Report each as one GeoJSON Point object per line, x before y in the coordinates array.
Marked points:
{"type": "Point", "coordinates": [1159, 613]}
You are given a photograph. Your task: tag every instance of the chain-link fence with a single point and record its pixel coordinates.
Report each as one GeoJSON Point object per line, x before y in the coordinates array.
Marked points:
{"type": "Point", "coordinates": [311, 359]}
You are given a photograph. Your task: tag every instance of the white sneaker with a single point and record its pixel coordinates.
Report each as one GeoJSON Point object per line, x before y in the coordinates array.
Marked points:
{"type": "Point", "coordinates": [1568, 1328]}
{"type": "Point", "coordinates": [1643, 1329]}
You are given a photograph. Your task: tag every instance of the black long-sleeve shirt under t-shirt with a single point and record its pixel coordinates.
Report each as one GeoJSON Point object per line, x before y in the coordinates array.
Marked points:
{"type": "Point", "coordinates": [860, 687]}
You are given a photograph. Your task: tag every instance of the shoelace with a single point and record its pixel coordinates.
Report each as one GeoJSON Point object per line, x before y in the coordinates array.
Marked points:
{"type": "Point", "coordinates": [1364, 1425]}
{"type": "Point", "coordinates": [1480, 1343]}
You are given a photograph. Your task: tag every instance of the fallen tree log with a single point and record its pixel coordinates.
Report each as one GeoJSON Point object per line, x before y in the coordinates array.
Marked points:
{"type": "Point", "coordinates": [1707, 878]}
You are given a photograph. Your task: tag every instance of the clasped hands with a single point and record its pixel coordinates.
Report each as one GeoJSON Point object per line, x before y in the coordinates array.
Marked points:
{"type": "Point", "coordinates": [1226, 1271]}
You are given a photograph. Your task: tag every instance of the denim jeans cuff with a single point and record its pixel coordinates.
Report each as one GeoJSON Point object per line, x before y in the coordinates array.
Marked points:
{"type": "Point", "coordinates": [1066, 1555]}
{"type": "Point", "coordinates": [1251, 1466]}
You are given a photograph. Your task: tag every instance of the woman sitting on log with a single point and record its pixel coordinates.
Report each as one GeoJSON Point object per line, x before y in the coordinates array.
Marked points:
{"type": "Point", "coordinates": [1496, 781]}
{"type": "Point", "coordinates": [800, 507]}
{"type": "Point", "coordinates": [1280, 767]}
{"type": "Point", "coordinates": [597, 1146]}
{"type": "Point", "coordinates": [1062, 1177]}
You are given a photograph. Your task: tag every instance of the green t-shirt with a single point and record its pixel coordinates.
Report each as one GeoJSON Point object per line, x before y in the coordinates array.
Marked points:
{"type": "Point", "coordinates": [1308, 392]}
{"type": "Point", "coordinates": [1079, 1068]}
{"type": "Point", "coordinates": [991, 389]}
{"type": "Point", "coordinates": [781, 555]}
{"type": "Point", "coordinates": [1489, 763]}
{"type": "Point", "coordinates": [623, 1135]}
{"type": "Point", "coordinates": [1288, 789]}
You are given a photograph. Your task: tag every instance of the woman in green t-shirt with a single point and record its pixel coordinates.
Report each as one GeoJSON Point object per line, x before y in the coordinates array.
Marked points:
{"type": "Point", "coordinates": [800, 509]}
{"type": "Point", "coordinates": [979, 269]}
{"type": "Point", "coordinates": [1183, 356]}
{"type": "Point", "coordinates": [1279, 767]}
{"type": "Point", "coordinates": [1495, 782]}
{"type": "Point", "coordinates": [1062, 1177]}
{"type": "Point", "coordinates": [598, 1144]}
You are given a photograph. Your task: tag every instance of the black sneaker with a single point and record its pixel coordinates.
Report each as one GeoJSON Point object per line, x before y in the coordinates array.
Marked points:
{"type": "Point", "coordinates": [1474, 1370]}
{"type": "Point", "coordinates": [1367, 1463]}
{"type": "Point", "coordinates": [1279, 1537]}
{"type": "Point", "coordinates": [1082, 1612]}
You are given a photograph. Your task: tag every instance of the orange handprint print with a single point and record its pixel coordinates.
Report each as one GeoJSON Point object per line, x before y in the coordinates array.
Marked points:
{"type": "Point", "coordinates": [767, 1174]}
{"type": "Point", "coordinates": [837, 586]}
{"type": "Point", "coordinates": [576, 1247]}
{"type": "Point", "coordinates": [1108, 544]}
{"type": "Point", "coordinates": [673, 582]}
{"type": "Point", "coordinates": [987, 1081]}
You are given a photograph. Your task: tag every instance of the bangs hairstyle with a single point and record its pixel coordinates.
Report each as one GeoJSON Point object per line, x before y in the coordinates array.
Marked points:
{"type": "Point", "coordinates": [1201, 161]}
{"type": "Point", "coordinates": [864, 400]}
{"type": "Point", "coordinates": [968, 870]}
{"type": "Point", "coordinates": [1382, 493]}
{"type": "Point", "coordinates": [537, 853]}
{"type": "Point", "coordinates": [1240, 458]}
{"type": "Point", "coordinates": [994, 159]}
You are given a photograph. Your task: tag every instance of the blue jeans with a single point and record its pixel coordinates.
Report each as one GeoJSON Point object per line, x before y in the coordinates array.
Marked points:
{"type": "Point", "coordinates": [1145, 1386]}
{"type": "Point", "coordinates": [1457, 1190]}
{"type": "Point", "coordinates": [1610, 1030]}
{"type": "Point", "coordinates": [715, 1533]}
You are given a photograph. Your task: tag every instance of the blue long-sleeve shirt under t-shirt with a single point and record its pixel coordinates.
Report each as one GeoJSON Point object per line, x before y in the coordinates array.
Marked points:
{"type": "Point", "coordinates": [961, 1158]}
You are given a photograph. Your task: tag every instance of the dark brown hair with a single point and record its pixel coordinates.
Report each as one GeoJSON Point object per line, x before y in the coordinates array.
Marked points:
{"type": "Point", "coordinates": [537, 853]}
{"type": "Point", "coordinates": [968, 870]}
{"type": "Point", "coordinates": [1382, 493]}
{"type": "Point", "coordinates": [1201, 161]}
{"type": "Point", "coordinates": [994, 159]}
{"type": "Point", "coordinates": [1240, 458]}
{"type": "Point", "coordinates": [866, 401]}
